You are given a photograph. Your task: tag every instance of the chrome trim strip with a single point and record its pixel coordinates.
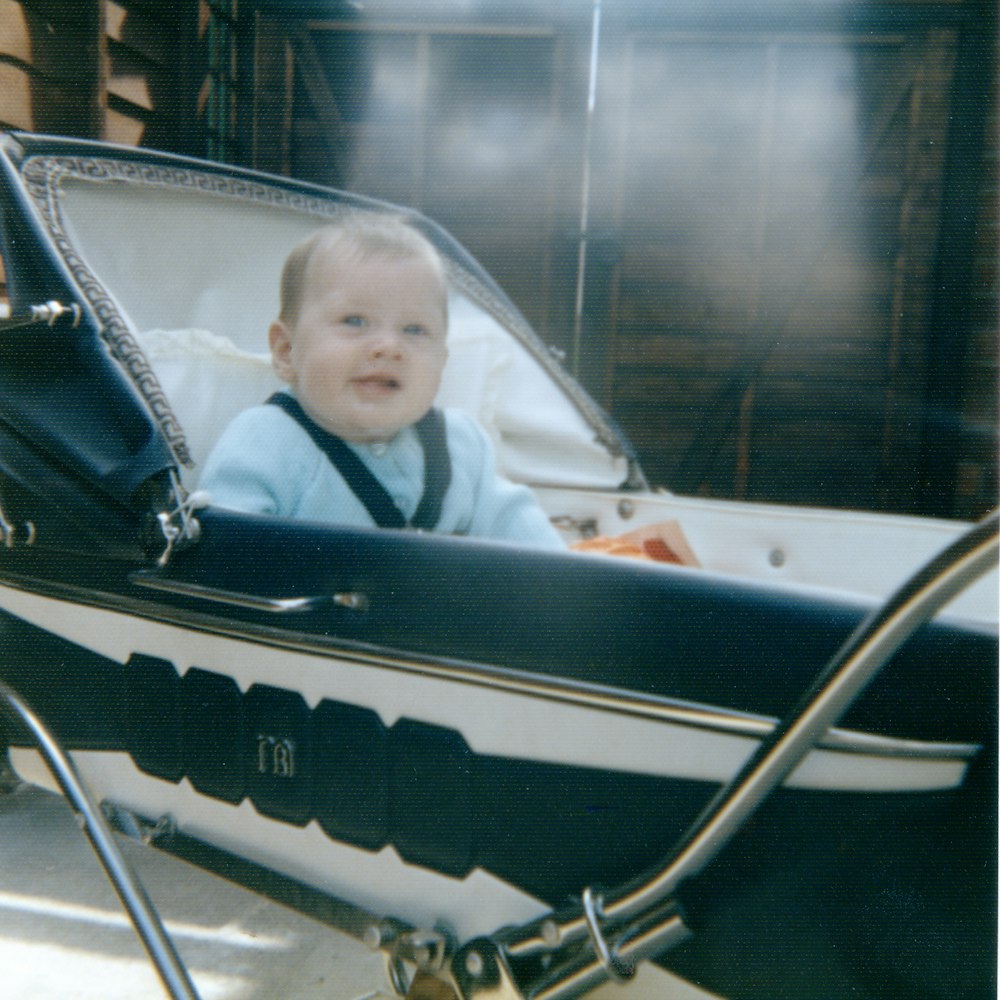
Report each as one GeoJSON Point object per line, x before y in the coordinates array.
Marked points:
{"type": "Point", "coordinates": [566, 690]}
{"type": "Point", "coordinates": [275, 605]}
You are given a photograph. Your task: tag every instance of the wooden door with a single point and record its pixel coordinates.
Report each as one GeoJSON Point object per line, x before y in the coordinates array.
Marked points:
{"type": "Point", "coordinates": [776, 203]}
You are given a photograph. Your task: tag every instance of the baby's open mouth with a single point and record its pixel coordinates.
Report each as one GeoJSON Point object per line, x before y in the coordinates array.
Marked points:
{"type": "Point", "coordinates": [377, 382]}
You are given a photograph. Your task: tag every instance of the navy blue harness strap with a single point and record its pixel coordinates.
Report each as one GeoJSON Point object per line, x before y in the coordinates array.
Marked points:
{"type": "Point", "coordinates": [365, 485]}
{"type": "Point", "coordinates": [437, 470]}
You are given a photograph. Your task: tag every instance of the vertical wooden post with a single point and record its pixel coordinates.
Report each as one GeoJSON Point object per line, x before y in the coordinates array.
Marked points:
{"type": "Point", "coordinates": [950, 309]}
{"type": "Point", "coordinates": [272, 98]}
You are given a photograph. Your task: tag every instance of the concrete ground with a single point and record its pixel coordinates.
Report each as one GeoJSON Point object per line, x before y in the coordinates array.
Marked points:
{"type": "Point", "coordinates": [65, 936]}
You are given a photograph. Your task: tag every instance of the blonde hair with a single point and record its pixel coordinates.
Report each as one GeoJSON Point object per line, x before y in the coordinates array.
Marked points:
{"type": "Point", "coordinates": [357, 237]}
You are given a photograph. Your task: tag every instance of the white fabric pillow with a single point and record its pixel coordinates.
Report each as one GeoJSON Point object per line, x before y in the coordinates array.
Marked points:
{"type": "Point", "coordinates": [208, 380]}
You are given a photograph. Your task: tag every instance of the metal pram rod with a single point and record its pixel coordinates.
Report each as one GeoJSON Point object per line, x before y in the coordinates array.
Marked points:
{"type": "Point", "coordinates": [623, 926]}
{"type": "Point", "coordinates": [141, 911]}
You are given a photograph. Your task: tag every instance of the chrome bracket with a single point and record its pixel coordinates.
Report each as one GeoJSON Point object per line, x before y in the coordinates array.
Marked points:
{"type": "Point", "coordinates": [126, 822]}
{"type": "Point", "coordinates": [178, 526]}
{"type": "Point", "coordinates": [404, 946]}
{"type": "Point", "coordinates": [616, 968]}
{"type": "Point", "coordinates": [565, 955]}
{"type": "Point", "coordinates": [12, 535]}
{"type": "Point", "coordinates": [50, 313]}
{"type": "Point", "coordinates": [481, 969]}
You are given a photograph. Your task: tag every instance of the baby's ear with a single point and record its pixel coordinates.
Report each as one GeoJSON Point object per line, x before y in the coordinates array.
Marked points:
{"type": "Point", "coordinates": [280, 339]}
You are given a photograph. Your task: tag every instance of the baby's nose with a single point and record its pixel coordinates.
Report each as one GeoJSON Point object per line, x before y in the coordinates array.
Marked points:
{"type": "Point", "coordinates": [386, 343]}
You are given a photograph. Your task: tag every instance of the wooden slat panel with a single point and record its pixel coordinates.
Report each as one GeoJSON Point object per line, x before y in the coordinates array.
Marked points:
{"type": "Point", "coordinates": [15, 98]}
{"type": "Point", "coordinates": [123, 128]}
{"type": "Point", "coordinates": [649, 387]}
{"type": "Point", "coordinates": [672, 306]}
{"type": "Point", "coordinates": [142, 85]}
{"type": "Point", "coordinates": [824, 400]}
{"type": "Point", "coordinates": [684, 350]}
{"type": "Point", "coordinates": [135, 28]}
{"type": "Point", "coordinates": [48, 60]}
{"type": "Point", "coordinates": [754, 196]}
{"type": "Point", "coordinates": [659, 428]}
{"type": "Point", "coordinates": [15, 40]}
{"type": "Point", "coordinates": [140, 82]}
{"type": "Point", "coordinates": [62, 38]}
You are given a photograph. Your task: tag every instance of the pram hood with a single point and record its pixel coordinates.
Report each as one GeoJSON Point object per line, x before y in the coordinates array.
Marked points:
{"type": "Point", "coordinates": [173, 265]}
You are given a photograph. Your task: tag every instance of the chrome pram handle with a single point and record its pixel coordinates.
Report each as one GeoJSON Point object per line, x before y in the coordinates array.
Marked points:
{"type": "Point", "coordinates": [566, 954]}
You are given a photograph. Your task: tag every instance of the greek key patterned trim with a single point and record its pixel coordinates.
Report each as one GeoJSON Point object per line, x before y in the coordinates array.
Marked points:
{"type": "Point", "coordinates": [43, 176]}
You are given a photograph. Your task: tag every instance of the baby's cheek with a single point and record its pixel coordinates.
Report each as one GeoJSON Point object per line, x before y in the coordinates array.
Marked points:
{"type": "Point", "coordinates": [326, 368]}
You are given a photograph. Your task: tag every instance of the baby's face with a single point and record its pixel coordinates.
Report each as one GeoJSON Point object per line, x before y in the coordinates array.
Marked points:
{"type": "Point", "coordinates": [366, 352]}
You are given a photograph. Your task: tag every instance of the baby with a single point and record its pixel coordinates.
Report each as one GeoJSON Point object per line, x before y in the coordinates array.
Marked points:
{"type": "Point", "coordinates": [361, 342]}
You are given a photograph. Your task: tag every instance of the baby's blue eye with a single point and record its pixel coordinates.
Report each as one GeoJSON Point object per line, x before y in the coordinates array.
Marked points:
{"type": "Point", "coordinates": [353, 320]}
{"type": "Point", "coordinates": [415, 329]}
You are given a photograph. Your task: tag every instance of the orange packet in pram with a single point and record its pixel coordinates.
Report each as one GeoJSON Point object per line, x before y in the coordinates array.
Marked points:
{"type": "Point", "coordinates": [660, 542]}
